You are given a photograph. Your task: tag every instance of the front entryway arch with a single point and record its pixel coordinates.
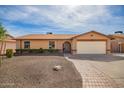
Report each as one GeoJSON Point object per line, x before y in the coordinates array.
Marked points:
{"type": "Point", "coordinates": [66, 47]}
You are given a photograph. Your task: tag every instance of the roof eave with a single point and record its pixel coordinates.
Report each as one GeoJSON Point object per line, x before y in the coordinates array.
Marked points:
{"type": "Point", "coordinates": [41, 39]}
{"type": "Point", "coordinates": [90, 32]}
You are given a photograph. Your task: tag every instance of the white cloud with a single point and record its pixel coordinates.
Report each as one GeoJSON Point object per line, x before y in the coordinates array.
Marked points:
{"type": "Point", "coordinates": [72, 18]}
{"type": "Point", "coordinates": [63, 16]}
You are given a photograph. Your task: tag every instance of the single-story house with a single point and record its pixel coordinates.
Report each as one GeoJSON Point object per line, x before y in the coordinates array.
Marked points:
{"type": "Point", "coordinates": [117, 43]}
{"type": "Point", "coordinates": [87, 43]}
{"type": "Point", "coordinates": [9, 43]}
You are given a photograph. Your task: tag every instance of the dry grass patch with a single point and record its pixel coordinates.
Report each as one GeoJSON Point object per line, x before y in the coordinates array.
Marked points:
{"type": "Point", "coordinates": [37, 71]}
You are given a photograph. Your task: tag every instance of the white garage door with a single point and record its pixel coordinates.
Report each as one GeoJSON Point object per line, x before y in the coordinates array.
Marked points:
{"type": "Point", "coordinates": [91, 47]}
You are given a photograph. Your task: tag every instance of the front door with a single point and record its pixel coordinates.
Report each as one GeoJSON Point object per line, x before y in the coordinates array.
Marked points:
{"type": "Point", "coordinates": [67, 47]}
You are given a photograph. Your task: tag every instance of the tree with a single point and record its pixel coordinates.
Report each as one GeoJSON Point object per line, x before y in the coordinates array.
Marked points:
{"type": "Point", "coordinates": [2, 40]}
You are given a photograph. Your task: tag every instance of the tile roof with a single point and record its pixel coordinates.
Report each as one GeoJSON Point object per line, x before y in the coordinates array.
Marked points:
{"type": "Point", "coordinates": [47, 36]}
{"type": "Point", "coordinates": [117, 36]}
{"type": "Point", "coordinates": [9, 38]}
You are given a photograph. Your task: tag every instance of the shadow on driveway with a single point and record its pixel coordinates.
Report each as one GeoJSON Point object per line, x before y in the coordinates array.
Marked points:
{"type": "Point", "coordinates": [96, 57]}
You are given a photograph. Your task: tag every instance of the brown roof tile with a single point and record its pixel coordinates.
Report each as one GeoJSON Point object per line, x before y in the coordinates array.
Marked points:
{"type": "Point", "coordinates": [47, 36]}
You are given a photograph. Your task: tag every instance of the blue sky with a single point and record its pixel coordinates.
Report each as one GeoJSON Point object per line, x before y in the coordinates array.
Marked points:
{"type": "Point", "coordinates": [71, 19]}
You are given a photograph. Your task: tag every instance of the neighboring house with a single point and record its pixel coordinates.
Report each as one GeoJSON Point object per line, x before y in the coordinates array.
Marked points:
{"type": "Point", "coordinates": [117, 43]}
{"type": "Point", "coordinates": [87, 43]}
{"type": "Point", "coordinates": [9, 43]}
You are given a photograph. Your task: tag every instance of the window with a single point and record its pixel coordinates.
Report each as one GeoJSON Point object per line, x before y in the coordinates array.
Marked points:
{"type": "Point", "coordinates": [27, 44]}
{"type": "Point", "coordinates": [51, 44]}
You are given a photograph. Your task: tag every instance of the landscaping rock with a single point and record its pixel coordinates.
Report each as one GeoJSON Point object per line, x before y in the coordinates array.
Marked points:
{"type": "Point", "coordinates": [57, 67]}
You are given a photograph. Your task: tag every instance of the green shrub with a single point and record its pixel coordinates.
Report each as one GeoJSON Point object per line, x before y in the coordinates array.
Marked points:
{"type": "Point", "coordinates": [19, 51]}
{"type": "Point", "coordinates": [41, 50]}
{"type": "Point", "coordinates": [50, 50]}
{"type": "Point", "coordinates": [32, 50]}
{"type": "Point", "coordinates": [53, 50]}
{"type": "Point", "coordinates": [36, 50]}
{"type": "Point", "coordinates": [9, 53]}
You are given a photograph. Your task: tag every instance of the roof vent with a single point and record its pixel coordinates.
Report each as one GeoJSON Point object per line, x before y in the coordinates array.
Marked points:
{"type": "Point", "coordinates": [119, 32]}
{"type": "Point", "coordinates": [49, 33]}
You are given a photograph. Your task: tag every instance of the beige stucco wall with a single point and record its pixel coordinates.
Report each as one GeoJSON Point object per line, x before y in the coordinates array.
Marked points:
{"type": "Point", "coordinates": [9, 45]}
{"type": "Point", "coordinates": [18, 44]}
{"type": "Point", "coordinates": [59, 43]}
{"type": "Point", "coordinates": [36, 44]}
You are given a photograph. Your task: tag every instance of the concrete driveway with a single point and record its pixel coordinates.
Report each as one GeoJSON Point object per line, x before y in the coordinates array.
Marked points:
{"type": "Point", "coordinates": [99, 70]}
{"type": "Point", "coordinates": [97, 57]}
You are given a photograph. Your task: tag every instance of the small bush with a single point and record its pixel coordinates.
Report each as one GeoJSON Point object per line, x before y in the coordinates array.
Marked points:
{"type": "Point", "coordinates": [33, 50]}
{"type": "Point", "coordinates": [41, 50]}
{"type": "Point", "coordinates": [53, 50]}
{"type": "Point", "coordinates": [9, 53]}
{"type": "Point", "coordinates": [50, 50]}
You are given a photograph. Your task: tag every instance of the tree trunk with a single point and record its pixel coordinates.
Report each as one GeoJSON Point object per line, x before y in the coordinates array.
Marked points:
{"type": "Point", "coordinates": [4, 47]}
{"type": "Point", "coordinates": [1, 48]}
{"type": "Point", "coordinates": [1, 52]}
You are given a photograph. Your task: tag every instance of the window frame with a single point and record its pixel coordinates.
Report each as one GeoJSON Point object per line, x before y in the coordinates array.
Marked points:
{"type": "Point", "coordinates": [50, 44]}
{"type": "Point", "coordinates": [28, 46]}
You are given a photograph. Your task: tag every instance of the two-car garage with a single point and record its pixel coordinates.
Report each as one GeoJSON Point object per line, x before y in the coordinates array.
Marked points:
{"type": "Point", "coordinates": [92, 43]}
{"type": "Point", "coordinates": [91, 47]}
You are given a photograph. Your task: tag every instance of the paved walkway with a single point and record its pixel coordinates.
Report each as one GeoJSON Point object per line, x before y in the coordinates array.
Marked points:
{"type": "Point", "coordinates": [118, 54]}
{"type": "Point", "coordinates": [91, 76]}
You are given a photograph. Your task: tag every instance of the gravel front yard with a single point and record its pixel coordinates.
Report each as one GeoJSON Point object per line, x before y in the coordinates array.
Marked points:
{"type": "Point", "coordinates": [37, 71]}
